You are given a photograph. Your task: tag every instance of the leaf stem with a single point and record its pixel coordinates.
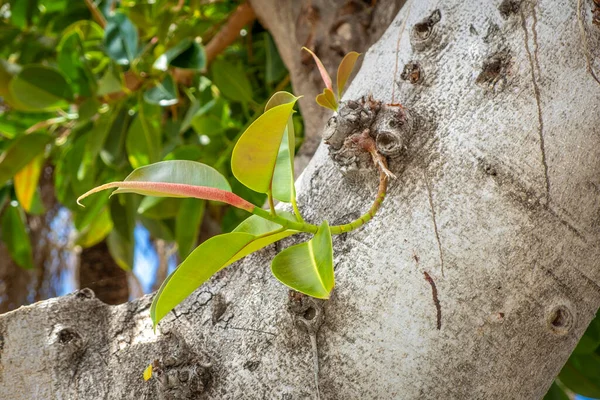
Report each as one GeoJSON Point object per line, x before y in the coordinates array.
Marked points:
{"type": "Point", "coordinates": [336, 229]}
{"type": "Point", "coordinates": [296, 210]}
{"type": "Point", "coordinates": [271, 203]}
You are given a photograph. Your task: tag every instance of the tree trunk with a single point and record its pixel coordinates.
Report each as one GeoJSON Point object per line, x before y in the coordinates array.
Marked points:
{"type": "Point", "coordinates": [99, 272]}
{"type": "Point", "coordinates": [475, 280]}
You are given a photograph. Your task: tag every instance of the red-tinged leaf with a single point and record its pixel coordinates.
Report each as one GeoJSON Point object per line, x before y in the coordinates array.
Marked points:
{"type": "Point", "coordinates": [26, 180]}
{"type": "Point", "coordinates": [177, 178]}
{"type": "Point", "coordinates": [322, 70]}
{"type": "Point", "coordinates": [344, 71]}
{"type": "Point", "coordinates": [327, 100]}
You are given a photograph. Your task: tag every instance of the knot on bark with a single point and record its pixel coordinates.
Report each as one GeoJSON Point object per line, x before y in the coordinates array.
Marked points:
{"type": "Point", "coordinates": [360, 125]}
{"type": "Point", "coordinates": [307, 312]}
{"type": "Point", "coordinates": [181, 373]}
{"type": "Point", "coordinates": [427, 33]}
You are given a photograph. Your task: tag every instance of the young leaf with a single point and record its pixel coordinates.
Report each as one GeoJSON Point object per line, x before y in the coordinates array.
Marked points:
{"type": "Point", "coordinates": [177, 178]}
{"type": "Point", "coordinates": [40, 88]}
{"type": "Point", "coordinates": [26, 181]}
{"type": "Point", "coordinates": [283, 178]}
{"type": "Point", "coordinates": [20, 152]}
{"type": "Point", "coordinates": [308, 267]}
{"type": "Point", "coordinates": [324, 75]}
{"type": "Point", "coordinates": [344, 71]}
{"type": "Point", "coordinates": [120, 240]}
{"type": "Point", "coordinates": [210, 257]}
{"type": "Point", "coordinates": [255, 154]}
{"type": "Point", "coordinates": [14, 235]}
{"type": "Point", "coordinates": [327, 100]}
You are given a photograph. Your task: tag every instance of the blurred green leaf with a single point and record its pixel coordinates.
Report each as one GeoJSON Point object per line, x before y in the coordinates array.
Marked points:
{"type": "Point", "coordinates": [20, 152]}
{"type": "Point", "coordinates": [163, 94]}
{"type": "Point", "coordinates": [275, 68]}
{"type": "Point", "coordinates": [187, 225]}
{"type": "Point", "coordinates": [308, 267]}
{"type": "Point", "coordinates": [97, 231]}
{"type": "Point", "coordinates": [14, 235]}
{"type": "Point", "coordinates": [159, 207]}
{"type": "Point", "coordinates": [22, 11]}
{"type": "Point", "coordinates": [144, 137]}
{"type": "Point", "coordinates": [120, 240]}
{"type": "Point", "coordinates": [556, 393]}
{"type": "Point", "coordinates": [232, 81]}
{"type": "Point", "coordinates": [187, 54]}
{"type": "Point", "coordinates": [121, 39]}
{"type": "Point", "coordinates": [580, 374]}
{"type": "Point", "coordinates": [40, 88]}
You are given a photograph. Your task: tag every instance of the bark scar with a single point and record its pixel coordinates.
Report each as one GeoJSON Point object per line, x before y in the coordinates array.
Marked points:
{"type": "Point", "coordinates": [533, 61]}
{"type": "Point", "coordinates": [436, 301]}
{"type": "Point", "coordinates": [435, 227]}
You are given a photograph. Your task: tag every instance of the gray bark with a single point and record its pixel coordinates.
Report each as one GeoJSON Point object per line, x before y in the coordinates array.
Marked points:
{"type": "Point", "coordinates": [498, 186]}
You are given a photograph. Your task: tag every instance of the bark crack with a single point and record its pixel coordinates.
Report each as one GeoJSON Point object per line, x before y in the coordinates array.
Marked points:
{"type": "Point", "coordinates": [533, 61]}
{"type": "Point", "coordinates": [433, 219]}
{"type": "Point", "coordinates": [436, 300]}
{"type": "Point", "coordinates": [586, 49]}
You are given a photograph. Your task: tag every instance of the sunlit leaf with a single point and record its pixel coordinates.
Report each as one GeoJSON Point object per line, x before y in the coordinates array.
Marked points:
{"type": "Point", "coordinates": [26, 181]}
{"type": "Point", "coordinates": [324, 75]}
{"type": "Point", "coordinates": [327, 100]}
{"type": "Point", "coordinates": [283, 178]}
{"type": "Point", "coordinates": [210, 257]}
{"type": "Point", "coordinates": [41, 88]}
{"type": "Point", "coordinates": [144, 137]}
{"type": "Point", "coordinates": [20, 153]}
{"type": "Point", "coordinates": [232, 81]}
{"type": "Point", "coordinates": [177, 178]}
{"type": "Point", "coordinates": [187, 54]}
{"type": "Point", "coordinates": [308, 267]}
{"type": "Point", "coordinates": [255, 154]}
{"type": "Point", "coordinates": [163, 94]}
{"type": "Point", "coordinates": [14, 235]}
{"type": "Point", "coordinates": [121, 39]}
{"type": "Point", "coordinates": [344, 71]}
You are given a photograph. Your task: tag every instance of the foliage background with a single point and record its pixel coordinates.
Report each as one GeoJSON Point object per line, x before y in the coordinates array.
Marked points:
{"type": "Point", "coordinates": [91, 90]}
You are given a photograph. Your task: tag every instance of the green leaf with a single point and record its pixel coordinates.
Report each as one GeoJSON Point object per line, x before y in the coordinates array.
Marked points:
{"type": "Point", "coordinates": [72, 63]}
{"type": "Point", "coordinates": [111, 82]}
{"type": "Point", "coordinates": [26, 181]}
{"type": "Point", "coordinates": [187, 225]}
{"type": "Point", "coordinates": [21, 151]}
{"type": "Point", "coordinates": [177, 179]}
{"type": "Point", "coordinates": [283, 178]}
{"type": "Point", "coordinates": [159, 207]}
{"type": "Point", "coordinates": [113, 149]}
{"type": "Point", "coordinates": [120, 240]}
{"type": "Point", "coordinates": [210, 257]}
{"type": "Point", "coordinates": [121, 39]}
{"type": "Point", "coordinates": [187, 54]}
{"type": "Point", "coordinates": [40, 88]}
{"type": "Point", "coordinates": [163, 94]}
{"type": "Point", "coordinates": [144, 137]}
{"type": "Point", "coordinates": [275, 68]}
{"type": "Point", "coordinates": [308, 267]}
{"type": "Point", "coordinates": [556, 393]}
{"type": "Point", "coordinates": [324, 75]}
{"type": "Point", "coordinates": [344, 71]}
{"type": "Point", "coordinates": [580, 374]}
{"type": "Point", "coordinates": [590, 341]}
{"type": "Point", "coordinates": [255, 154]}
{"type": "Point", "coordinates": [14, 235]}
{"type": "Point", "coordinates": [97, 231]}
{"type": "Point", "coordinates": [327, 100]}
{"type": "Point", "coordinates": [232, 81]}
